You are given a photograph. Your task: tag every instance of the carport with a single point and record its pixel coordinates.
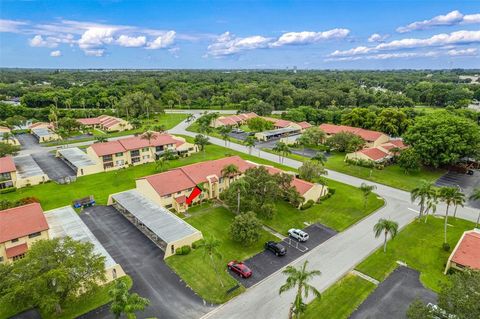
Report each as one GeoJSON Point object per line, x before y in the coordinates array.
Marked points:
{"type": "Point", "coordinates": [28, 171]}
{"type": "Point", "coordinates": [164, 228]}
{"type": "Point", "coordinates": [64, 221]}
{"type": "Point", "coordinates": [277, 133]}
{"type": "Point", "coordinates": [79, 161]}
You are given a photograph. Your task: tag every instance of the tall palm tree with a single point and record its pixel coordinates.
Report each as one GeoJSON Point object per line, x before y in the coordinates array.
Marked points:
{"type": "Point", "coordinates": [366, 190]}
{"type": "Point", "coordinates": [224, 131]}
{"type": "Point", "coordinates": [447, 195]}
{"type": "Point", "coordinates": [386, 227]}
{"type": "Point", "coordinates": [53, 115]}
{"type": "Point", "coordinates": [250, 143]}
{"type": "Point", "coordinates": [299, 278]}
{"type": "Point", "coordinates": [149, 136]}
{"type": "Point", "coordinates": [240, 186]}
{"type": "Point", "coordinates": [124, 302]}
{"type": "Point", "coordinates": [8, 136]}
{"type": "Point", "coordinates": [282, 149]}
{"type": "Point", "coordinates": [161, 164]}
{"type": "Point", "coordinates": [476, 196]}
{"type": "Point", "coordinates": [431, 205]}
{"type": "Point", "coordinates": [210, 247]}
{"type": "Point", "coordinates": [320, 157]}
{"type": "Point", "coordinates": [100, 139]}
{"type": "Point", "coordinates": [422, 193]}
{"type": "Point", "coordinates": [459, 200]}
{"type": "Point", "coordinates": [230, 171]}
{"type": "Point", "coordinates": [303, 141]}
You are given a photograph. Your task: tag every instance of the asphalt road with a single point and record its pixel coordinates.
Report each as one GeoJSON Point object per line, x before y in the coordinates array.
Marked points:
{"type": "Point", "coordinates": [143, 261]}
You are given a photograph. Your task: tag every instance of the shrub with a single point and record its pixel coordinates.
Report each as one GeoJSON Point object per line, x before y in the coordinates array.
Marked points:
{"type": "Point", "coordinates": [8, 190]}
{"type": "Point", "coordinates": [307, 205]}
{"type": "Point", "coordinates": [446, 246]}
{"type": "Point", "coordinates": [331, 190]}
{"type": "Point", "coordinates": [184, 250]}
{"type": "Point", "coordinates": [197, 243]}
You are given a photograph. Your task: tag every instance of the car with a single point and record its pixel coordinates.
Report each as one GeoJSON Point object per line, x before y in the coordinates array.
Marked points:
{"type": "Point", "coordinates": [439, 313]}
{"type": "Point", "coordinates": [240, 269]}
{"type": "Point", "coordinates": [298, 234]}
{"type": "Point", "coordinates": [277, 248]}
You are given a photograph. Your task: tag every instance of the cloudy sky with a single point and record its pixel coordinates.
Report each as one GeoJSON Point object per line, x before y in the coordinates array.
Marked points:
{"type": "Point", "coordinates": [240, 34]}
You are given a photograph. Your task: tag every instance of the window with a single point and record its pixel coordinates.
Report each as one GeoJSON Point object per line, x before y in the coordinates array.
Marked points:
{"type": "Point", "coordinates": [135, 153]}
{"type": "Point", "coordinates": [119, 163]}
{"type": "Point", "coordinates": [159, 148]}
{"type": "Point", "coordinates": [135, 160]}
{"type": "Point", "coordinates": [107, 158]}
{"type": "Point", "coordinates": [14, 240]}
{"type": "Point", "coordinates": [173, 249]}
{"type": "Point", "coordinates": [1, 259]}
{"type": "Point", "coordinates": [108, 165]}
{"type": "Point", "coordinates": [15, 258]}
{"type": "Point", "coordinates": [168, 206]}
{"type": "Point", "coordinates": [118, 154]}
{"type": "Point", "coordinates": [34, 235]}
{"type": "Point", "coordinates": [114, 273]}
{"type": "Point", "coordinates": [5, 176]}
{"type": "Point", "coordinates": [146, 149]}
{"type": "Point", "coordinates": [145, 156]}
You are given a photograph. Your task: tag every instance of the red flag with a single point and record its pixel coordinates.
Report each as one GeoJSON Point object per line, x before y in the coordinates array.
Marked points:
{"type": "Point", "coordinates": [195, 192]}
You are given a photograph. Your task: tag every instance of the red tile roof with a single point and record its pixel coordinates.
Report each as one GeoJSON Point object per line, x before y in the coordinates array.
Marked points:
{"type": "Point", "coordinates": [133, 143]}
{"type": "Point", "coordinates": [367, 135]}
{"type": "Point", "coordinates": [89, 121]}
{"type": "Point", "coordinates": [467, 253]}
{"type": "Point", "coordinates": [21, 221]}
{"type": "Point", "coordinates": [398, 143]}
{"type": "Point", "coordinates": [107, 148]}
{"type": "Point", "coordinates": [300, 185]}
{"type": "Point", "coordinates": [304, 125]}
{"type": "Point", "coordinates": [7, 164]}
{"type": "Point", "coordinates": [181, 199]}
{"type": "Point", "coordinates": [374, 153]}
{"type": "Point", "coordinates": [16, 250]}
{"type": "Point", "coordinates": [170, 182]}
{"type": "Point", "coordinates": [236, 119]}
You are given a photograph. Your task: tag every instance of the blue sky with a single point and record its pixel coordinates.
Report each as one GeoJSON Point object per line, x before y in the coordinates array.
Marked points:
{"type": "Point", "coordinates": [240, 34]}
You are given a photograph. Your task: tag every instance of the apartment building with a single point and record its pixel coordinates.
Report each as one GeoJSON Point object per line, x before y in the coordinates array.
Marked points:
{"type": "Point", "coordinates": [371, 138]}
{"type": "Point", "coordinates": [106, 123]}
{"type": "Point", "coordinates": [6, 136]}
{"type": "Point", "coordinates": [20, 171]}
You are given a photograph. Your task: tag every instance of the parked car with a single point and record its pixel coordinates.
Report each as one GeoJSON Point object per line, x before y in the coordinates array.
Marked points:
{"type": "Point", "coordinates": [239, 268]}
{"type": "Point", "coordinates": [277, 248]}
{"type": "Point", "coordinates": [298, 234]}
{"type": "Point", "coordinates": [439, 313]}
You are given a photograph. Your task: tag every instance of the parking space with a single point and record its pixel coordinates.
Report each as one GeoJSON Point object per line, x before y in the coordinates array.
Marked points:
{"type": "Point", "coordinates": [55, 168]}
{"type": "Point", "coordinates": [143, 261]}
{"type": "Point", "coordinates": [28, 141]}
{"type": "Point", "coordinates": [266, 263]}
{"type": "Point", "coordinates": [239, 136]}
{"type": "Point", "coordinates": [466, 182]}
{"type": "Point", "coordinates": [394, 295]}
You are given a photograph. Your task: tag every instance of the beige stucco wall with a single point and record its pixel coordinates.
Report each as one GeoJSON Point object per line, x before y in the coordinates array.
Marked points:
{"type": "Point", "coordinates": [315, 192]}
{"type": "Point", "coordinates": [382, 139]}
{"type": "Point", "coordinates": [11, 141]}
{"type": "Point", "coordinates": [186, 241]}
{"type": "Point", "coordinates": [121, 126]}
{"type": "Point", "coordinates": [114, 272]}
{"type": "Point", "coordinates": [49, 138]}
{"type": "Point", "coordinates": [33, 180]}
{"type": "Point", "coordinates": [21, 240]}
{"type": "Point", "coordinates": [357, 156]}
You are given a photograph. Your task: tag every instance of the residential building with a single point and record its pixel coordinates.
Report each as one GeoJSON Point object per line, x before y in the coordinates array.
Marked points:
{"type": "Point", "coordinates": [7, 137]}
{"type": "Point", "coordinates": [371, 138]}
{"type": "Point", "coordinates": [44, 134]}
{"type": "Point", "coordinates": [20, 171]}
{"type": "Point", "coordinates": [138, 150]}
{"type": "Point", "coordinates": [106, 123]}
{"type": "Point", "coordinates": [20, 227]}
{"type": "Point", "coordinates": [277, 133]}
{"type": "Point", "coordinates": [466, 254]}
{"type": "Point", "coordinates": [233, 120]}
{"type": "Point", "coordinates": [82, 163]}
{"type": "Point", "coordinates": [171, 189]}
{"type": "Point", "coordinates": [40, 125]}
{"type": "Point", "coordinates": [380, 153]}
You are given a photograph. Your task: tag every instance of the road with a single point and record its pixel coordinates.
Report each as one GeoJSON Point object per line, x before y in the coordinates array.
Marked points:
{"type": "Point", "coordinates": [334, 258]}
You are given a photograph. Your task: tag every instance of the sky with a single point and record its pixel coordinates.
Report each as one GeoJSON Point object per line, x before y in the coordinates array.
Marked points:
{"type": "Point", "coordinates": [362, 34]}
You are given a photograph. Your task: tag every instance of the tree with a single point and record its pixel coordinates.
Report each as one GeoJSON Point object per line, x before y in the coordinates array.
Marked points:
{"type": "Point", "coordinates": [299, 279]}
{"type": "Point", "coordinates": [210, 249]}
{"type": "Point", "coordinates": [246, 228]}
{"type": "Point", "coordinates": [224, 132]}
{"type": "Point", "coordinates": [124, 302]}
{"type": "Point", "coordinates": [240, 187]}
{"type": "Point", "coordinates": [418, 310]}
{"type": "Point", "coordinates": [409, 160]}
{"type": "Point", "coordinates": [423, 192]}
{"type": "Point", "coordinates": [101, 139]}
{"type": "Point", "coordinates": [345, 142]}
{"type": "Point", "coordinates": [230, 171]}
{"type": "Point", "coordinates": [201, 141]}
{"type": "Point", "coordinates": [392, 121]}
{"type": "Point", "coordinates": [386, 227]}
{"type": "Point", "coordinates": [431, 205]}
{"type": "Point", "coordinates": [366, 190]}
{"type": "Point", "coordinates": [53, 272]}
{"type": "Point", "coordinates": [320, 157]}
{"type": "Point", "coordinates": [8, 149]}
{"type": "Point", "coordinates": [148, 136]}
{"type": "Point", "coordinates": [137, 103]}
{"type": "Point", "coordinates": [53, 116]}
{"type": "Point", "coordinates": [7, 136]}
{"type": "Point", "coordinates": [250, 143]}
{"type": "Point", "coordinates": [459, 200]}
{"type": "Point", "coordinates": [442, 139]}
{"type": "Point", "coordinates": [303, 141]}
{"type": "Point", "coordinates": [282, 149]}
{"type": "Point", "coordinates": [160, 128]}
{"type": "Point", "coordinates": [314, 135]}
{"type": "Point", "coordinates": [474, 197]}
{"type": "Point", "coordinates": [311, 170]}
{"type": "Point", "coordinates": [447, 195]}
{"type": "Point", "coordinates": [259, 124]}
{"type": "Point", "coordinates": [161, 164]}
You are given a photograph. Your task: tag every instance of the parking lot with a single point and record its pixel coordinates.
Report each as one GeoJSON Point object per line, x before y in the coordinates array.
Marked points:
{"type": "Point", "coordinates": [466, 182]}
{"type": "Point", "coordinates": [54, 167]}
{"type": "Point", "coordinates": [394, 295]}
{"type": "Point", "coordinates": [266, 263]}
{"type": "Point", "coordinates": [143, 261]}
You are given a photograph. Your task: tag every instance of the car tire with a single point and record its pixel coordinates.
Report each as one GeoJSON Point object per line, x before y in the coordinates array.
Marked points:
{"type": "Point", "coordinates": [241, 276]}
{"type": "Point", "coordinates": [276, 254]}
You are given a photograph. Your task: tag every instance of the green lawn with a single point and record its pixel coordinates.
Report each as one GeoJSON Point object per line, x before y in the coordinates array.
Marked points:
{"type": "Point", "coordinates": [420, 246]}
{"type": "Point", "coordinates": [194, 128]}
{"type": "Point", "coordinates": [197, 271]}
{"type": "Point", "coordinates": [81, 305]}
{"type": "Point", "coordinates": [340, 300]}
{"type": "Point", "coordinates": [340, 211]}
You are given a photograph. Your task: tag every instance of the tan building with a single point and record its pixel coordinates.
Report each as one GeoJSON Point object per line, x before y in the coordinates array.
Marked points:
{"type": "Point", "coordinates": [281, 133]}
{"type": "Point", "coordinates": [378, 154]}
{"type": "Point", "coordinates": [82, 163]}
{"type": "Point", "coordinates": [40, 125]}
{"type": "Point", "coordinates": [20, 227]}
{"type": "Point", "coordinates": [466, 254]}
{"type": "Point", "coordinates": [171, 189]}
{"type": "Point", "coordinates": [44, 135]}
{"type": "Point", "coordinates": [20, 171]}
{"type": "Point", "coordinates": [7, 137]}
{"type": "Point", "coordinates": [137, 150]}
{"type": "Point", "coordinates": [371, 138]}
{"type": "Point", "coordinates": [106, 123]}
{"type": "Point", "coordinates": [233, 120]}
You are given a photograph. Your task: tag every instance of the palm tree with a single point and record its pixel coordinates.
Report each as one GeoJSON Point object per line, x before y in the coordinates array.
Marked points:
{"type": "Point", "coordinates": [68, 103]}
{"type": "Point", "coordinates": [161, 164]}
{"type": "Point", "coordinates": [282, 149]}
{"type": "Point", "coordinates": [422, 193]}
{"type": "Point", "coordinates": [386, 227]}
{"type": "Point", "coordinates": [320, 157]}
{"type": "Point", "coordinates": [431, 205]}
{"type": "Point", "coordinates": [149, 136]}
{"type": "Point", "coordinates": [53, 115]}
{"type": "Point", "coordinates": [447, 195]}
{"type": "Point", "coordinates": [230, 171]}
{"type": "Point", "coordinates": [366, 190]}
{"type": "Point", "coordinates": [201, 141]}
{"type": "Point", "coordinates": [240, 186]}
{"type": "Point", "coordinates": [299, 278]}
{"type": "Point", "coordinates": [125, 302]}
{"type": "Point", "coordinates": [100, 139]}
{"type": "Point", "coordinates": [8, 136]}
{"type": "Point", "coordinates": [250, 143]}
{"type": "Point", "coordinates": [458, 201]}
{"type": "Point", "coordinates": [210, 249]}
{"type": "Point", "coordinates": [476, 196]}
{"type": "Point", "coordinates": [224, 131]}
{"type": "Point", "coordinates": [303, 141]}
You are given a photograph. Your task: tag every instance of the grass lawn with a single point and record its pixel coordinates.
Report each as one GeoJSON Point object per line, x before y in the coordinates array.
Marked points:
{"type": "Point", "coordinates": [197, 271]}
{"type": "Point", "coordinates": [340, 211]}
{"type": "Point", "coordinates": [101, 185]}
{"type": "Point", "coordinates": [340, 300]}
{"type": "Point", "coordinates": [81, 305]}
{"type": "Point", "coordinates": [194, 128]}
{"type": "Point", "coordinates": [420, 246]}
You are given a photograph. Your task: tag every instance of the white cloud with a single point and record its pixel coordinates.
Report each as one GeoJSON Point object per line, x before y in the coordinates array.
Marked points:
{"type": "Point", "coordinates": [228, 44]}
{"type": "Point", "coordinates": [174, 51]}
{"type": "Point", "coordinates": [463, 52]}
{"type": "Point", "coordinates": [452, 18]}
{"type": "Point", "coordinates": [454, 38]}
{"type": "Point", "coordinates": [94, 52]}
{"type": "Point", "coordinates": [93, 40]}
{"type": "Point", "coordinates": [56, 53]}
{"type": "Point", "coordinates": [12, 26]}
{"type": "Point", "coordinates": [375, 37]}
{"type": "Point", "coordinates": [131, 42]}
{"type": "Point", "coordinates": [387, 56]}
{"type": "Point", "coordinates": [39, 41]}
{"type": "Point", "coordinates": [308, 37]}
{"type": "Point", "coordinates": [162, 41]}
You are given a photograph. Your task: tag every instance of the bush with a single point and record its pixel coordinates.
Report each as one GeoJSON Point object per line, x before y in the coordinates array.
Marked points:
{"type": "Point", "coordinates": [446, 246]}
{"type": "Point", "coordinates": [8, 190]}
{"type": "Point", "coordinates": [331, 190]}
{"type": "Point", "coordinates": [307, 205]}
{"type": "Point", "coordinates": [197, 243]}
{"type": "Point", "coordinates": [184, 250]}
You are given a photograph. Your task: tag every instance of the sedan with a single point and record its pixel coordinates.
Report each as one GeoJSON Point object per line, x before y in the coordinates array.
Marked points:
{"type": "Point", "coordinates": [277, 248]}
{"type": "Point", "coordinates": [239, 268]}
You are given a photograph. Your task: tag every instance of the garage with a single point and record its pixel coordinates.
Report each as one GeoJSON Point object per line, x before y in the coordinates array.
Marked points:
{"type": "Point", "coordinates": [164, 228]}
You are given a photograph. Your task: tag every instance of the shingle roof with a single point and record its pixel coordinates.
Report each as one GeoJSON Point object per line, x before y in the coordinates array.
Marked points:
{"type": "Point", "coordinates": [467, 253]}
{"type": "Point", "coordinates": [7, 164]}
{"type": "Point", "coordinates": [304, 125]}
{"type": "Point", "coordinates": [21, 221]}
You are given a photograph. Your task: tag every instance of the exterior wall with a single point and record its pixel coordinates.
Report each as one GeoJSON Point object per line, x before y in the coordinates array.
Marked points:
{"type": "Point", "coordinates": [22, 240]}
{"type": "Point", "coordinates": [187, 241]}
{"type": "Point", "coordinates": [315, 192]}
{"type": "Point", "coordinates": [13, 180]}
{"type": "Point", "coordinates": [49, 138]}
{"type": "Point", "coordinates": [113, 273]}
{"type": "Point", "coordinates": [12, 141]}
{"type": "Point", "coordinates": [121, 126]}
{"type": "Point", "coordinates": [32, 180]}
{"type": "Point", "coordinates": [260, 136]}
{"type": "Point", "coordinates": [357, 156]}
{"type": "Point", "coordinates": [381, 140]}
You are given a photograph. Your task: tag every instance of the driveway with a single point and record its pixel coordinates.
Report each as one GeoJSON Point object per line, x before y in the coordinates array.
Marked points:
{"type": "Point", "coordinates": [266, 263]}
{"type": "Point", "coordinates": [466, 182]}
{"type": "Point", "coordinates": [28, 141]}
{"type": "Point", "coordinates": [394, 295]}
{"type": "Point", "coordinates": [143, 261]}
{"type": "Point", "coordinates": [54, 167]}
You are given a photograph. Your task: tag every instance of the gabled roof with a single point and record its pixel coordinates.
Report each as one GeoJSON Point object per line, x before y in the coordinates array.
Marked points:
{"type": "Point", "coordinates": [107, 148]}
{"type": "Point", "coordinates": [374, 153]}
{"type": "Point", "coordinates": [89, 121]}
{"type": "Point", "coordinates": [40, 124]}
{"type": "Point", "coordinates": [7, 164]}
{"type": "Point", "coordinates": [304, 125]}
{"type": "Point", "coordinates": [300, 185]}
{"type": "Point", "coordinates": [16, 250]}
{"type": "Point", "coordinates": [367, 135]}
{"type": "Point", "coordinates": [467, 252]}
{"type": "Point", "coordinates": [236, 119]}
{"type": "Point", "coordinates": [170, 182]}
{"type": "Point", "coordinates": [21, 221]}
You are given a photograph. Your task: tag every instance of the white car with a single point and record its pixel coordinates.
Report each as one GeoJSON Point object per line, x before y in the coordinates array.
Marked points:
{"type": "Point", "coordinates": [298, 234]}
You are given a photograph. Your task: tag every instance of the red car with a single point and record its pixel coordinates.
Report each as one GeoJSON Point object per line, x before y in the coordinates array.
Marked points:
{"type": "Point", "coordinates": [239, 268]}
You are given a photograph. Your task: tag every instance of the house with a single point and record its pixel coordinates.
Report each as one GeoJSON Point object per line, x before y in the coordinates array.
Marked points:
{"type": "Point", "coordinates": [20, 171]}
{"type": "Point", "coordinates": [6, 136]}
{"type": "Point", "coordinates": [466, 254]}
{"type": "Point", "coordinates": [378, 154]}
{"type": "Point", "coordinates": [282, 124]}
{"type": "Point", "coordinates": [137, 150]}
{"type": "Point", "coordinates": [20, 227]}
{"type": "Point", "coordinates": [233, 120]}
{"type": "Point", "coordinates": [40, 125]}
{"type": "Point", "coordinates": [106, 123]}
{"type": "Point", "coordinates": [171, 189]}
{"type": "Point", "coordinates": [371, 138]}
